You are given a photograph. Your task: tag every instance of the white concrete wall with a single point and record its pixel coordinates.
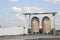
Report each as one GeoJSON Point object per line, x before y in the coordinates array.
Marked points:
{"type": "Point", "coordinates": [13, 31]}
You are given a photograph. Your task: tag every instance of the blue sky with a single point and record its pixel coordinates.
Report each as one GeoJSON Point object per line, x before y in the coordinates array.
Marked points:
{"type": "Point", "coordinates": [11, 11]}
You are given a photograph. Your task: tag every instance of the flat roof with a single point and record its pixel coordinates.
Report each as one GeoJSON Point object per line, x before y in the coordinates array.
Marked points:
{"type": "Point", "coordinates": [39, 13]}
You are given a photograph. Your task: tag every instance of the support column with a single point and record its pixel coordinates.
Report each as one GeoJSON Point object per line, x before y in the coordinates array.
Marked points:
{"type": "Point", "coordinates": [29, 20]}
{"type": "Point", "coordinates": [54, 30]}
{"type": "Point", "coordinates": [25, 20]}
{"type": "Point", "coordinates": [25, 25]}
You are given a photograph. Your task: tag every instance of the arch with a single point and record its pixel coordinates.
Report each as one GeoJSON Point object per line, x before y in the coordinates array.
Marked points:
{"type": "Point", "coordinates": [35, 24]}
{"type": "Point", "coordinates": [46, 25]}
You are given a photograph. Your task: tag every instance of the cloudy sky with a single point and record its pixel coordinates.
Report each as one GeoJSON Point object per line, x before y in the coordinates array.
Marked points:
{"type": "Point", "coordinates": [11, 11]}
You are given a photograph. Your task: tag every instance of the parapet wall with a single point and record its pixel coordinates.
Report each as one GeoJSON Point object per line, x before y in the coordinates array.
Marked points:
{"type": "Point", "coordinates": [13, 31]}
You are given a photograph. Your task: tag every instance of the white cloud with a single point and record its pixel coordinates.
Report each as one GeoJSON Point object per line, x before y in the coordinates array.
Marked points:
{"type": "Point", "coordinates": [53, 1]}
{"type": "Point", "coordinates": [33, 9]}
{"type": "Point", "coordinates": [15, 9]}
{"type": "Point", "coordinates": [26, 10]}
{"type": "Point", "coordinates": [12, 0]}
{"type": "Point", "coordinates": [20, 17]}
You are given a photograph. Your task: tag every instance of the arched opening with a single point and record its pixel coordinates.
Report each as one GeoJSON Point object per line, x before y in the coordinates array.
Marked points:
{"type": "Point", "coordinates": [35, 24]}
{"type": "Point", "coordinates": [46, 25]}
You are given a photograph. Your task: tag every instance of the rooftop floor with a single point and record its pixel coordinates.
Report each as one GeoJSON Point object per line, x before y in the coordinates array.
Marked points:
{"type": "Point", "coordinates": [30, 37]}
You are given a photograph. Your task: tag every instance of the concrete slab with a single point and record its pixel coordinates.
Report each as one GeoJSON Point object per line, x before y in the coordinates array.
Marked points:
{"type": "Point", "coordinates": [30, 37]}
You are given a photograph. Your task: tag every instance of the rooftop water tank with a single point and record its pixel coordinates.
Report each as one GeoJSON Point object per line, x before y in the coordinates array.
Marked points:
{"type": "Point", "coordinates": [46, 25]}
{"type": "Point", "coordinates": [35, 24]}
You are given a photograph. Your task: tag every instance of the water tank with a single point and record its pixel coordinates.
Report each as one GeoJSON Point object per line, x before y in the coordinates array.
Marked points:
{"type": "Point", "coordinates": [46, 25]}
{"type": "Point", "coordinates": [35, 24]}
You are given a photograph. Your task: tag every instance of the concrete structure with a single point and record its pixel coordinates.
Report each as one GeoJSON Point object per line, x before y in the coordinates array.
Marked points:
{"type": "Point", "coordinates": [44, 22]}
